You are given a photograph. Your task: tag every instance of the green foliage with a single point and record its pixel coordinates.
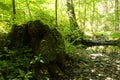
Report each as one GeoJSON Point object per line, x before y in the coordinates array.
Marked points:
{"type": "Point", "coordinates": [69, 48]}
{"type": "Point", "coordinates": [15, 63]}
{"type": "Point", "coordinates": [4, 6]}
{"type": "Point", "coordinates": [4, 28]}
{"type": "Point", "coordinates": [115, 35]}
{"type": "Point", "coordinates": [99, 33]}
{"type": "Point", "coordinates": [70, 37]}
{"type": "Point", "coordinates": [37, 58]}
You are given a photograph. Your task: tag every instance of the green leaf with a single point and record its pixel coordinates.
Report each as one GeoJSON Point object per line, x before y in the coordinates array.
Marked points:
{"type": "Point", "coordinates": [4, 6]}
{"type": "Point", "coordinates": [115, 35]}
{"type": "Point", "coordinates": [28, 75]}
{"type": "Point", "coordinates": [22, 73]}
{"type": "Point", "coordinates": [1, 78]}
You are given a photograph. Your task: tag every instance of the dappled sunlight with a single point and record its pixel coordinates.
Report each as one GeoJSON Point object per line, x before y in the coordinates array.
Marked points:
{"type": "Point", "coordinates": [105, 7]}
{"type": "Point", "coordinates": [4, 28]}
{"type": "Point", "coordinates": [103, 65]}
{"type": "Point", "coordinates": [59, 40]}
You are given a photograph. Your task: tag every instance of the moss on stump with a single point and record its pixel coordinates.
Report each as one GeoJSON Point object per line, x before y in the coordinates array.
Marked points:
{"type": "Point", "coordinates": [42, 40]}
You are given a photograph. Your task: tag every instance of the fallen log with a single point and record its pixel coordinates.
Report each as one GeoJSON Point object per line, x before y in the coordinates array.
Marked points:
{"type": "Point", "coordinates": [90, 43]}
{"type": "Point", "coordinates": [98, 43]}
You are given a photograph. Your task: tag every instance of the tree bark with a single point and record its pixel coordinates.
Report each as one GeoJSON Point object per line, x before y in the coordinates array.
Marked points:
{"type": "Point", "coordinates": [56, 13]}
{"type": "Point", "coordinates": [116, 16]}
{"type": "Point", "coordinates": [84, 19]}
{"type": "Point", "coordinates": [71, 15]}
{"type": "Point", "coordinates": [90, 43]}
{"type": "Point", "coordinates": [14, 11]}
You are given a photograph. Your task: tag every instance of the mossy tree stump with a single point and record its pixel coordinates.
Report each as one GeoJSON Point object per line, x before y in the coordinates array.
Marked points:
{"type": "Point", "coordinates": [44, 41]}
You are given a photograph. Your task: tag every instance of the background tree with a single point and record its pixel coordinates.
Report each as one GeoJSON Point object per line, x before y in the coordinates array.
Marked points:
{"type": "Point", "coordinates": [56, 12]}
{"type": "Point", "coordinates": [71, 15]}
{"type": "Point", "coordinates": [116, 15]}
{"type": "Point", "coordinates": [14, 10]}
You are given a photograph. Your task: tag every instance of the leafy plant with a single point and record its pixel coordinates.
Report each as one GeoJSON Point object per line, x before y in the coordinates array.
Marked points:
{"type": "Point", "coordinates": [15, 63]}
{"type": "Point", "coordinates": [115, 35]}
{"type": "Point", "coordinates": [4, 6]}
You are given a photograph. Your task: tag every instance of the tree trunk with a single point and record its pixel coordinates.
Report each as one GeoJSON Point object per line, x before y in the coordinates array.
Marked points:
{"type": "Point", "coordinates": [84, 21]}
{"type": "Point", "coordinates": [89, 43]}
{"type": "Point", "coordinates": [92, 16]}
{"type": "Point", "coordinates": [56, 13]}
{"type": "Point", "coordinates": [43, 41]}
{"type": "Point", "coordinates": [71, 15]}
{"type": "Point", "coordinates": [116, 15]}
{"type": "Point", "coordinates": [14, 11]}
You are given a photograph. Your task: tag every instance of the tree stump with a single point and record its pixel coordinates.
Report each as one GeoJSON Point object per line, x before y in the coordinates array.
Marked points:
{"type": "Point", "coordinates": [44, 41]}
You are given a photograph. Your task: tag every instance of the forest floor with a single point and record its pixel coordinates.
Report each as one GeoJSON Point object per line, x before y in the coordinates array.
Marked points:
{"type": "Point", "coordinates": [90, 64]}
{"type": "Point", "coordinates": [93, 63]}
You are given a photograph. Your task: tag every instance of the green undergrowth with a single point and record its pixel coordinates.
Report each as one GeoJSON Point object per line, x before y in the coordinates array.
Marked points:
{"type": "Point", "coordinates": [82, 64]}
{"type": "Point", "coordinates": [15, 63]}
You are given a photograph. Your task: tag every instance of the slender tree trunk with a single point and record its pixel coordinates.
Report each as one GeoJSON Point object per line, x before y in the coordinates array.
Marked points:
{"type": "Point", "coordinates": [116, 16]}
{"type": "Point", "coordinates": [84, 23]}
{"type": "Point", "coordinates": [14, 11]}
{"type": "Point", "coordinates": [79, 13]}
{"type": "Point", "coordinates": [93, 14]}
{"type": "Point", "coordinates": [56, 13]}
{"type": "Point", "coordinates": [71, 15]}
